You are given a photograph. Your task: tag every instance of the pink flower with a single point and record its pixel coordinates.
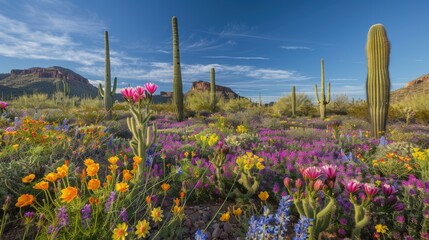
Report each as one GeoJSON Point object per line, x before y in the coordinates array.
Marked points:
{"type": "Point", "coordinates": [151, 88]}
{"type": "Point", "coordinates": [3, 105]}
{"type": "Point", "coordinates": [139, 93]}
{"type": "Point", "coordinates": [286, 182]}
{"type": "Point", "coordinates": [318, 185]}
{"type": "Point", "coordinates": [370, 189]}
{"type": "Point", "coordinates": [311, 173]}
{"type": "Point", "coordinates": [127, 93]}
{"type": "Point", "coordinates": [353, 186]}
{"type": "Point", "coordinates": [298, 183]}
{"type": "Point", "coordinates": [330, 171]}
{"type": "Point", "coordinates": [388, 190]}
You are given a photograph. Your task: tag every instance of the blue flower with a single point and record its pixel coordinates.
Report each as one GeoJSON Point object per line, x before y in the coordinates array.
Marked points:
{"type": "Point", "coordinates": [383, 141]}
{"type": "Point", "coordinates": [301, 228]}
{"type": "Point", "coordinates": [200, 235]}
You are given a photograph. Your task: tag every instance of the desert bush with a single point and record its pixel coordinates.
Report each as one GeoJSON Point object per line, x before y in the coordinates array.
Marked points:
{"type": "Point", "coordinates": [339, 105]}
{"type": "Point", "coordinates": [199, 101]}
{"type": "Point", "coordinates": [359, 110]}
{"type": "Point", "coordinates": [418, 104]}
{"type": "Point", "coordinates": [237, 104]}
{"type": "Point", "coordinates": [350, 124]}
{"type": "Point", "coordinates": [35, 101]}
{"type": "Point", "coordinates": [284, 105]}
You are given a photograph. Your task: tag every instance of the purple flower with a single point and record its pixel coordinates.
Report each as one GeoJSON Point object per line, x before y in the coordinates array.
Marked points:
{"type": "Point", "coordinates": [370, 190]}
{"type": "Point", "coordinates": [110, 201]}
{"type": "Point", "coordinates": [63, 217]}
{"type": "Point", "coordinates": [388, 190]}
{"type": "Point", "coordinates": [343, 221]}
{"type": "Point", "coordinates": [400, 219]}
{"type": "Point", "coordinates": [28, 217]}
{"type": "Point", "coordinates": [124, 215]}
{"type": "Point", "coordinates": [86, 214]}
{"type": "Point", "coordinates": [276, 188]}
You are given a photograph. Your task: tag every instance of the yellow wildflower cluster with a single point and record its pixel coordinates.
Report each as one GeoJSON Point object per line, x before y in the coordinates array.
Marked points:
{"type": "Point", "coordinates": [241, 129]}
{"type": "Point", "coordinates": [420, 155]}
{"type": "Point", "coordinates": [393, 163]}
{"type": "Point", "coordinates": [249, 160]}
{"type": "Point", "coordinates": [209, 140]}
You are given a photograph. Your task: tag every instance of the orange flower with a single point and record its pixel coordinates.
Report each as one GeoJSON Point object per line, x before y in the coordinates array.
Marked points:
{"type": "Point", "coordinates": [225, 217]}
{"type": "Point", "coordinates": [62, 171]}
{"type": "Point", "coordinates": [113, 160]}
{"type": "Point", "coordinates": [83, 175]}
{"type": "Point", "coordinates": [176, 201]}
{"type": "Point", "coordinates": [127, 175]}
{"type": "Point", "coordinates": [148, 199]}
{"type": "Point", "coordinates": [165, 187]}
{"type": "Point", "coordinates": [182, 195]}
{"type": "Point", "coordinates": [93, 184]}
{"type": "Point", "coordinates": [263, 196]}
{"type": "Point", "coordinates": [29, 178]}
{"type": "Point", "coordinates": [112, 168]}
{"type": "Point", "coordinates": [237, 212]}
{"type": "Point", "coordinates": [25, 200]}
{"type": "Point", "coordinates": [122, 187]}
{"type": "Point", "coordinates": [43, 185]}
{"type": "Point", "coordinates": [68, 194]}
{"type": "Point", "coordinates": [137, 159]}
{"type": "Point", "coordinates": [88, 162]}
{"type": "Point", "coordinates": [51, 177]}
{"type": "Point", "coordinates": [109, 178]}
{"type": "Point", "coordinates": [92, 169]}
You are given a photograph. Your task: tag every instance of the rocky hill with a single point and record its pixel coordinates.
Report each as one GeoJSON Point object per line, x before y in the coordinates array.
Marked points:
{"type": "Point", "coordinates": [44, 80]}
{"type": "Point", "coordinates": [414, 87]}
{"type": "Point", "coordinates": [226, 92]}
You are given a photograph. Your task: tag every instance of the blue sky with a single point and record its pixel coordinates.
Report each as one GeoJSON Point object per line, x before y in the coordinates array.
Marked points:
{"type": "Point", "coordinates": [255, 46]}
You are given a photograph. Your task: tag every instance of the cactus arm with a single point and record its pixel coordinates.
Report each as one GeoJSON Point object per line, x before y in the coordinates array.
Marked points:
{"type": "Point", "coordinates": [100, 90]}
{"type": "Point", "coordinates": [115, 80]}
{"type": "Point", "coordinates": [316, 93]}
{"type": "Point", "coordinates": [329, 94]}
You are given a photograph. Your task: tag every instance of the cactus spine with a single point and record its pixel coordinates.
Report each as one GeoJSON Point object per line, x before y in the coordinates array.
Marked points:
{"type": "Point", "coordinates": [107, 93]}
{"type": "Point", "coordinates": [378, 80]}
{"type": "Point", "coordinates": [293, 101]}
{"type": "Point", "coordinates": [177, 75]}
{"type": "Point", "coordinates": [212, 90]}
{"type": "Point", "coordinates": [324, 100]}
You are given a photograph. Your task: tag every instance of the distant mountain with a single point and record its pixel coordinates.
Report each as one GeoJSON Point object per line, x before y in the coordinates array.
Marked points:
{"type": "Point", "coordinates": [226, 92]}
{"type": "Point", "coordinates": [44, 80]}
{"type": "Point", "coordinates": [414, 87]}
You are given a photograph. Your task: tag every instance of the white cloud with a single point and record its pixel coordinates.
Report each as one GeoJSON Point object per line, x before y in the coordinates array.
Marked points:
{"type": "Point", "coordinates": [295, 48]}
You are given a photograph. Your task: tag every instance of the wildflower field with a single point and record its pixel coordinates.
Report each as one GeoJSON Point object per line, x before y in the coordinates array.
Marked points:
{"type": "Point", "coordinates": [244, 174]}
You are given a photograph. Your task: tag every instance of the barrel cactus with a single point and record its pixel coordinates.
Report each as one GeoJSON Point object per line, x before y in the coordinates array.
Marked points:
{"type": "Point", "coordinates": [378, 80]}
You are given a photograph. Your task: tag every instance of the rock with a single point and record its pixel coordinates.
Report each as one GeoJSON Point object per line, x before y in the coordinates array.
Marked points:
{"type": "Point", "coordinates": [224, 235]}
{"type": "Point", "coordinates": [226, 92]}
{"type": "Point", "coordinates": [216, 232]}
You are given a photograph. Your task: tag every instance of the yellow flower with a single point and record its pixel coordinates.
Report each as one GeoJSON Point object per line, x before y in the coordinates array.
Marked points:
{"type": "Point", "coordinates": [68, 194]}
{"type": "Point", "coordinates": [142, 229]}
{"type": "Point", "coordinates": [29, 178]}
{"type": "Point", "coordinates": [380, 228]}
{"type": "Point", "coordinates": [260, 166]}
{"type": "Point", "coordinates": [127, 175]}
{"type": "Point", "coordinates": [25, 200]}
{"type": "Point", "coordinates": [165, 187]}
{"type": "Point", "coordinates": [62, 171]}
{"type": "Point", "coordinates": [113, 160]}
{"type": "Point", "coordinates": [177, 209]}
{"type": "Point", "coordinates": [93, 184]}
{"type": "Point", "coordinates": [88, 162]}
{"type": "Point", "coordinates": [120, 232]}
{"type": "Point", "coordinates": [156, 214]}
{"type": "Point", "coordinates": [122, 187]}
{"type": "Point", "coordinates": [137, 159]}
{"type": "Point", "coordinates": [51, 177]}
{"type": "Point", "coordinates": [237, 212]}
{"type": "Point", "coordinates": [186, 154]}
{"type": "Point", "coordinates": [43, 185]}
{"type": "Point", "coordinates": [263, 196]}
{"type": "Point", "coordinates": [225, 217]}
{"type": "Point", "coordinates": [92, 169]}
{"type": "Point", "coordinates": [15, 146]}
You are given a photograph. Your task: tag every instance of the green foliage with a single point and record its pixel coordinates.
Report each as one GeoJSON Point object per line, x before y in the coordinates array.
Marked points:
{"type": "Point", "coordinates": [237, 104]}
{"type": "Point", "coordinates": [359, 110]}
{"type": "Point", "coordinates": [284, 105]}
{"type": "Point", "coordinates": [418, 104]}
{"type": "Point", "coordinates": [339, 105]}
{"type": "Point", "coordinates": [378, 80]}
{"type": "Point", "coordinates": [200, 101]}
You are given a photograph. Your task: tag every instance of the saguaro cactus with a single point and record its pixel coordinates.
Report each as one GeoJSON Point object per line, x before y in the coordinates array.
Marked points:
{"type": "Point", "coordinates": [378, 80]}
{"type": "Point", "coordinates": [323, 100]}
{"type": "Point", "coordinates": [212, 90]}
{"type": "Point", "coordinates": [293, 101]}
{"type": "Point", "coordinates": [107, 93]}
{"type": "Point", "coordinates": [177, 74]}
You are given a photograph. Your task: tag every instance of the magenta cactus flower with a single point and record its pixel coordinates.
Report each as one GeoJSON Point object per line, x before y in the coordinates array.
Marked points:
{"type": "Point", "coordinates": [311, 173]}
{"type": "Point", "coordinates": [151, 88]}
{"type": "Point", "coordinates": [139, 94]}
{"type": "Point", "coordinates": [318, 185]}
{"type": "Point", "coordinates": [298, 183]}
{"type": "Point", "coordinates": [128, 93]}
{"type": "Point", "coordinates": [388, 190]}
{"type": "Point", "coordinates": [352, 186]}
{"type": "Point", "coordinates": [370, 190]}
{"type": "Point", "coordinates": [330, 171]}
{"type": "Point", "coordinates": [3, 105]}
{"type": "Point", "coordinates": [286, 182]}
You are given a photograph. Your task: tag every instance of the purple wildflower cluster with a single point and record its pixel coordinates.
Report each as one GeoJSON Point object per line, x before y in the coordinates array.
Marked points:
{"type": "Point", "coordinates": [110, 201]}
{"type": "Point", "coordinates": [86, 215]}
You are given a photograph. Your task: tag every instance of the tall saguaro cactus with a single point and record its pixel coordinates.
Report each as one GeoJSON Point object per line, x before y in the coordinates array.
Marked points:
{"type": "Point", "coordinates": [107, 93]}
{"type": "Point", "coordinates": [323, 100]}
{"type": "Point", "coordinates": [378, 80]}
{"type": "Point", "coordinates": [177, 74]}
{"type": "Point", "coordinates": [212, 90]}
{"type": "Point", "coordinates": [293, 101]}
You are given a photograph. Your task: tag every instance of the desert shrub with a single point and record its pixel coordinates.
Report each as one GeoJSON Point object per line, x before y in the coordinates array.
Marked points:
{"type": "Point", "coordinates": [359, 110]}
{"type": "Point", "coordinates": [338, 105]}
{"type": "Point", "coordinates": [237, 104]}
{"type": "Point", "coordinates": [163, 108]}
{"type": "Point", "coordinates": [418, 104]}
{"type": "Point", "coordinates": [199, 101]}
{"type": "Point", "coordinates": [35, 101]}
{"type": "Point", "coordinates": [350, 124]}
{"type": "Point", "coordinates": [283, 106]}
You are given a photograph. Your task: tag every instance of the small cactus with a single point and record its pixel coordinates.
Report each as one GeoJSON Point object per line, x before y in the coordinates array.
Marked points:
{"type": "Point", "coordinates": [177, 74]}
{"type": "Point", "coordinates": [293, 101]}
{"type": "Point", "coordinates": [378, 80]}
{"type": "Point", "coordinates": [212, 90]}
{"type": "Point", "coordinates": [323, 100]}
{"type": "Point", "coordinates": [107, 94]}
